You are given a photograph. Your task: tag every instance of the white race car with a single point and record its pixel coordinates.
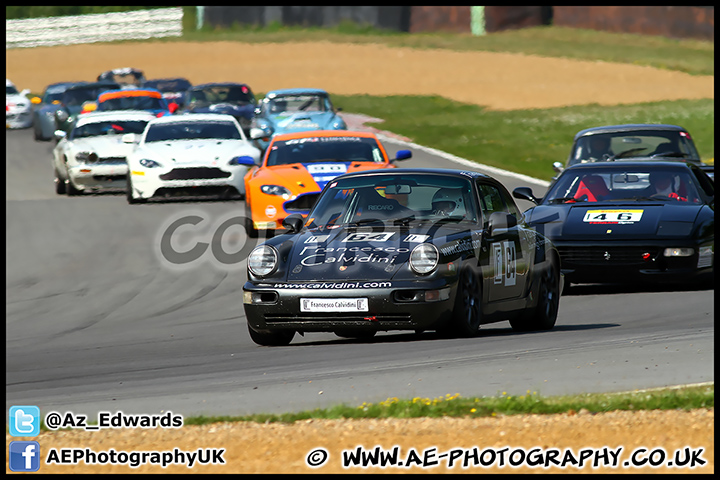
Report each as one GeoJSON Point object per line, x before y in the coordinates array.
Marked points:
{"type": "Point", "coordinates": [18, 108]}
{"type": "Point", "coordinates": [93, 156]}
{"type": "Point", "coordinates": [193, 155]}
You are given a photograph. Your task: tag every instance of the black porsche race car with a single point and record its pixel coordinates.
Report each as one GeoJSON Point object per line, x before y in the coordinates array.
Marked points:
{"type": "Point", "coordinates": [629, 221]}
{"type": "Point", "coordinates": [403, 249]}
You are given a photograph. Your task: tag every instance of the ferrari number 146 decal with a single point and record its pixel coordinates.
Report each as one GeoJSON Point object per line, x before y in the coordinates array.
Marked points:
{"type": "Point", "coordinates": [505, 257]}
{"type": "Point", "coordinates": [613, 216]}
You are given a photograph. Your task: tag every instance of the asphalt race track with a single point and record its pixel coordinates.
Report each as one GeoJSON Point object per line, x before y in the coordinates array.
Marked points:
{"type": "Point", "coordinates": [96, 321]}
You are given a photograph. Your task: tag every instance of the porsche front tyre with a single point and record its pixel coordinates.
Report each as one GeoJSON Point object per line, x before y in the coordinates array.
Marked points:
{"type": "Point", "coordinates": [544, 315]}
{"type": "Point", "coordinates": [271, 339]}
{"type": "Point", "coordinates": [70, 189]}
{"type": "Point", "coordinates": [59, 184]}
{"type": "Point", "coordinates": [467, 315]}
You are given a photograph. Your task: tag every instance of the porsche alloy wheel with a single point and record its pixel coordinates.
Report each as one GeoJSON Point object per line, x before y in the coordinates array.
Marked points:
{"type": "Point", "coordinates": [544, 315]}
{"type": "Point", "coordinates": [467, 315]}
{"type": "Point", "coordinates": [271, 339]}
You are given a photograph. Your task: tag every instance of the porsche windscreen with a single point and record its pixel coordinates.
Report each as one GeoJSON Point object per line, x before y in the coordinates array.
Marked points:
{"type": "Point", "coordinates": [195, 130]}
{"type": "Point", "coordinates": [394, 199]}
{"type": "Point", "coordinates": [622, 184]}
{"type": "Point", "coordinates": [236, 95]}
{"type": "Point", "coordinates": [110, 127]}
{"type": "Point", "coordinates": [325, 149]}
{"type": "Point", "coordinates": [645, 143]}
{"type": "Point", "coordinates": [290, 104]}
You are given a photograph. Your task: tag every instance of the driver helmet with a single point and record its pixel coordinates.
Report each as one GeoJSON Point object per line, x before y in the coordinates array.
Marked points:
{"type": "Point", "coordinates": [447, 202]}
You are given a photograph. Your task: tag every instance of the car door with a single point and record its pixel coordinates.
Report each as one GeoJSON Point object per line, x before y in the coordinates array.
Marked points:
{"type": "Point", "coordinates": [506, 270]}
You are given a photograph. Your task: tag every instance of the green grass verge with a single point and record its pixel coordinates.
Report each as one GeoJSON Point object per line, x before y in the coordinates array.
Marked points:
{"type": "Point", "coordinates": [455, 406]}
{"type": "Point", "coordinates": [695, 57]}
{"type": "Point", "coordinates": [531, 403]}
{"type": "Point", "coordinates": [522, 141]}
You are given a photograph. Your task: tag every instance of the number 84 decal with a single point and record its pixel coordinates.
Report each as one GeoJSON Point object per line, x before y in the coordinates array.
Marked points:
{"type": "Point", "coordinates": [505, 257]}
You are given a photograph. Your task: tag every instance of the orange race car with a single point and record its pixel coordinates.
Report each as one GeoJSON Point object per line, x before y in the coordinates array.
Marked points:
{"type": "Point", "coordinates": [297, 166]}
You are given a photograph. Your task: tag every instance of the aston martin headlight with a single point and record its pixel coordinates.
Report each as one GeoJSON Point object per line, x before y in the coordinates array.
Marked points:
{"type": "Point", "coordinates": [678, 252]}
{"type": "Point", "coordinates": [146, 162]}
{"type": "Point", "coordinates": [262, 261]}
{"type": "Point", "coordinates": [424, 258]}
{"type": "Point", "coordinates": [278, 190]}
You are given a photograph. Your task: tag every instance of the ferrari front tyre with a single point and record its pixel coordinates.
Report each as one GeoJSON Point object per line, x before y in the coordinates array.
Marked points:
{"type": "Point", "coordinates": [467, 315]}
{"type": "Point", "coordinates": [544, 315]}
{"type": "Point", "coordinates": [272, 339]}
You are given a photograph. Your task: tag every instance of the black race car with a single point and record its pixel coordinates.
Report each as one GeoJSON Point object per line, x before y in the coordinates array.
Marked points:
{"type": "Point", "coordinates": [403, 249]}
{"type": "Point", "coordinates": [126, 77]}
{"type": "Point", "coordinates": [172, 89]}
{"type": "Point", "coordinates": [629, 221]}
{"type": "Point", "coordinates": [646, 141]}
{"type": "Point", "coordinates": [236, 99]}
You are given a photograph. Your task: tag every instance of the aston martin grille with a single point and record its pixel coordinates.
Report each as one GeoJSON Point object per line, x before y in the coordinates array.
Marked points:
{"type": "Point", "coordinates": [194, 173]}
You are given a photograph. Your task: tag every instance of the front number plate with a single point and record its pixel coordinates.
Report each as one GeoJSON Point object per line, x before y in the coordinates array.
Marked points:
{"type": "Point", "coordinates": [333, 304]}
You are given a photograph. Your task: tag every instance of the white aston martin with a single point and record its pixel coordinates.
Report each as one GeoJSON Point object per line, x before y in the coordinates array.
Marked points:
{"type": "Point", "coordinates": [93, 156]}
{"type": "Point", "coordinates": [195, 155]}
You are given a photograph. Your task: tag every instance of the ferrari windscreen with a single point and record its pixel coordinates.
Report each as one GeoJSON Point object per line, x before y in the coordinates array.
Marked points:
{"type": "Point", "coordinates": [624, 184]}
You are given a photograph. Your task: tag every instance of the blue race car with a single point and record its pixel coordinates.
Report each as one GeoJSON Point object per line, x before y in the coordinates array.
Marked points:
{"type": "Point", "coordinates": [296, 110]}
{"type": "Point", "coordinates": [236, 99]}
{"type": "Point", "coordinates": [44, 109]}
{"type": "Point", "coordinates": [147, 99]}
{"type": "Point", "coordinates": [75, 99]}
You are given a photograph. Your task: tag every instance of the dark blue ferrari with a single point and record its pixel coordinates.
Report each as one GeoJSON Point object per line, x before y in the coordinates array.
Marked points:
{"type": "Point", "coordinates": [236, 99]}
{"type": "Point", "coordinates": [628, 221]}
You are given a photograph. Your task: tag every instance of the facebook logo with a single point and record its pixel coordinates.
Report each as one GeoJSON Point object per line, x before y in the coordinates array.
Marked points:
{"type": "Point", "coordinates": [24, 421]}
{"type": "Point", "coordinates": [24, 456]}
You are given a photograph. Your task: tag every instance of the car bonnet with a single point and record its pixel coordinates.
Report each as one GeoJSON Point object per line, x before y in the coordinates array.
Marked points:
{"type": "Point", "coordinates": [607, 222]}
{"type": "Point", "coordinates": [366, 253]}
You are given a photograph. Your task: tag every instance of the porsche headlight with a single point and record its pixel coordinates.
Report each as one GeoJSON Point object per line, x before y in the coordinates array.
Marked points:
{"type": "Point", "coordinates": [86, 157]}
{"type": "Point", "coordinates": [424, 258]}
{"type": "Point", "coordinates": [262, 261]}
